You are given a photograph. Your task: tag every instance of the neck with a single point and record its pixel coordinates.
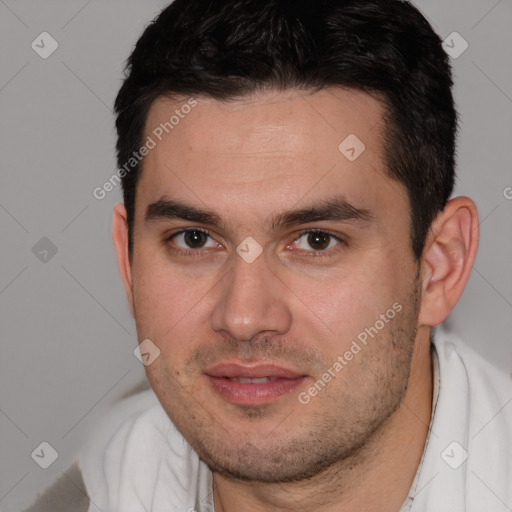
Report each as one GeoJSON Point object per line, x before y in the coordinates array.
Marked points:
{"type": "Point", "coordinates": [376, 479]}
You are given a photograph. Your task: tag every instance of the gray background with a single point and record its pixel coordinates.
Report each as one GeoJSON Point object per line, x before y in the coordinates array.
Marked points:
{"type": "Point", "coordinates": [67, 335]}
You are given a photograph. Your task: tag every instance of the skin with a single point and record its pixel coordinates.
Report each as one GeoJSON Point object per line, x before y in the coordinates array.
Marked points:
{"type": "Point", "coordinates": [357, 444]}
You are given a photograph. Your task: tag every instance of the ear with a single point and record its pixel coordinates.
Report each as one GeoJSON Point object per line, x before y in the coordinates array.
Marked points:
{"type": "Point", "coordinates": [120, 239]}
{"type": "Point", "coordinates": [447, 259]}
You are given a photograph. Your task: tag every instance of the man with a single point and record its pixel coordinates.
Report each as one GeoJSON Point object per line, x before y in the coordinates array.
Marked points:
{"type": "Point", "coordinates": [288, 243]}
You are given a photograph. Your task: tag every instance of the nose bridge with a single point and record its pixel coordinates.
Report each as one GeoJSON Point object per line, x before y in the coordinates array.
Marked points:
{"type": "Point", "coordinates": [252, 300]}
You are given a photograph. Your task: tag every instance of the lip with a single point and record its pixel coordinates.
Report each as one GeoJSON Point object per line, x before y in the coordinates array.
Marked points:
{"type": "Point", "coordinates": [283, 381]}
{"type": "Point", "coordinates": [252, 372]}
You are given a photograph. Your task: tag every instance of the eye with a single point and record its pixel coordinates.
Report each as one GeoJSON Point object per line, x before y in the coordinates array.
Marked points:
{"type": "Point", "coordinates": [317, 240]}
{"type": "Point", "coordinates": [193, 238]}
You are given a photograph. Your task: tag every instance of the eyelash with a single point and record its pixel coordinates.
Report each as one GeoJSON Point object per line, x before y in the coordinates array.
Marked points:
{"type": "Point", "coordinates": [312, 253]}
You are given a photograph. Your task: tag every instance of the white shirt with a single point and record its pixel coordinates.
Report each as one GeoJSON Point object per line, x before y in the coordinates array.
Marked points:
{"type": "Point", "coordinates": [138, 461]}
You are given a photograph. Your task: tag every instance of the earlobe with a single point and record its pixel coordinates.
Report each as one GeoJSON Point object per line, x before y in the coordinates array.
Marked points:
{"type": "Point", "coordinates": [120, 239]}
{"type": "Point", "coordinates": [447, 259]}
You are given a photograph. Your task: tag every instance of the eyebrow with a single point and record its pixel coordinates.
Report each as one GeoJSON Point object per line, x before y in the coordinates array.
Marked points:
{"type": "Point", "coordinates": [172, 209]}
{"type": "Point", "coordinates": [333, 209]}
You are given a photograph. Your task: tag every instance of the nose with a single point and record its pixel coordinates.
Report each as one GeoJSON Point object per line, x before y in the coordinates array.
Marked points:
{"type": "Point", "coordinates": [252, 301]}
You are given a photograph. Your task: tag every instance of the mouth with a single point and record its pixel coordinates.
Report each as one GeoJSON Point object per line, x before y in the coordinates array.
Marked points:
{"type": "Point", "coordinates": [259, 380]}
{"type": "Point", "coordinates": [252, 385]}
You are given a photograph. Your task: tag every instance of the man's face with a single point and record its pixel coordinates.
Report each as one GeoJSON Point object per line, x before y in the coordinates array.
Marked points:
{"type": "Point", "coordinates": [223, 317]}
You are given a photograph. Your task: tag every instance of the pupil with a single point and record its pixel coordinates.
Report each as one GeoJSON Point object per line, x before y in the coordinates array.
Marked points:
{"type": "Point", "coordinates": [318, 240]}
{"type": "Point", "coordinates": [195, 239]}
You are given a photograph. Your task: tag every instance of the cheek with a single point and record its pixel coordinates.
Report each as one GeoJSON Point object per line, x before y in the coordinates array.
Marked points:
{"type": "Point", "coordinates": [165, 300]}
{"type": "Point", "coordinates": [343, 305]}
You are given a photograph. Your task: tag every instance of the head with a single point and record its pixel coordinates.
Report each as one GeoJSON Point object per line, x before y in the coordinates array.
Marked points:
{"type": "Point", "coordinates": [291, 207]}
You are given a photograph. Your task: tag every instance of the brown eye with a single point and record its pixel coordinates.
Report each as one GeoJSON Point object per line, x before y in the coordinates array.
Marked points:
{"type": "Point", "coordinates": [195, 239]}
{"type": "Point", "coordinates": [319, 240]}
{"type": "Point", "coordinates": [316, 241]}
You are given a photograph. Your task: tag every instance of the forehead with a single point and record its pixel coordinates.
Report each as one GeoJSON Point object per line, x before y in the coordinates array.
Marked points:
{"type": "Point", "coordinates": [289, 120]}
{"type": "Point", "coordinates": [272, 147]}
